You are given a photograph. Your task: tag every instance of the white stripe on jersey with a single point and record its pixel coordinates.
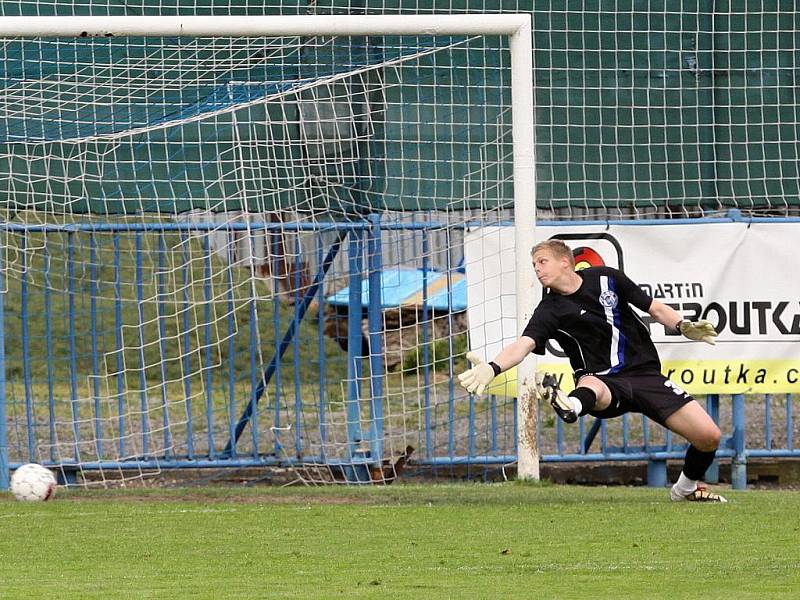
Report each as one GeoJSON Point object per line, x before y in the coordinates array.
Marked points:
{"type": "Point", "coordinates": [614, 353]}
{"type": "Point", "coordinates": [577, 345]}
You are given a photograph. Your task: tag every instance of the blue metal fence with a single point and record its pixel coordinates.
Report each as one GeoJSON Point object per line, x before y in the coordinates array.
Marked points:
{"type": "Point", "coordinates": [129, 346]}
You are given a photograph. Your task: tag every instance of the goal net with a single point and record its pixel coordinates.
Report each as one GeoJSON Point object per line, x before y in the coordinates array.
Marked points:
{"type": "Point", "coordinates": [238, 241]}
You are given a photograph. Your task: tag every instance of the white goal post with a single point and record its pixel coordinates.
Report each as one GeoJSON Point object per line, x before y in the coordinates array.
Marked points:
{"type": "Point", "coordinates": [516, 27]}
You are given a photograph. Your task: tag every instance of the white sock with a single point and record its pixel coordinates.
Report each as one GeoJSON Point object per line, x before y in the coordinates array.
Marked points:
{"type": "Point", "coordinates": [576, 404]}
{"type": "Point", "coordinates": [685, 485]}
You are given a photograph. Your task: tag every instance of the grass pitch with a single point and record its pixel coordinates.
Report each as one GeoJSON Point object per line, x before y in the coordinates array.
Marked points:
{"type": "Point", "coordinates": [405, 541]}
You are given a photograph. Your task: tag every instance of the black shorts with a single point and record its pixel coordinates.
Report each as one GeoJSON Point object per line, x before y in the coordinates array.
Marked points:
{"type": "Point", "coordinates": [651, 394]}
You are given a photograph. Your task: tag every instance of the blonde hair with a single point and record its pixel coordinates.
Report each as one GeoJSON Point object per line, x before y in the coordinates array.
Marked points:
{"type": "Point", "coordinates": [557, 248]}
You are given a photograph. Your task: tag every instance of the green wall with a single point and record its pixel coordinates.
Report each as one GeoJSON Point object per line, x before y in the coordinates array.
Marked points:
{"type": "Point", "coordinates": [688, 110]}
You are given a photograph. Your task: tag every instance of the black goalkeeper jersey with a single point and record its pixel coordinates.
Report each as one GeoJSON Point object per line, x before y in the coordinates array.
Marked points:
{"type": "Point", "coordinates": [596, 326]}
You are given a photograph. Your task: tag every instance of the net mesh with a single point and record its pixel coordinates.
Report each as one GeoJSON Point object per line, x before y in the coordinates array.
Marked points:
{"type": "Point", "coordinates": [192, 230]}
{"type": "Point", "coordinates": [210, 180]}
{"type": "Point", "coordinates": [641, 111]}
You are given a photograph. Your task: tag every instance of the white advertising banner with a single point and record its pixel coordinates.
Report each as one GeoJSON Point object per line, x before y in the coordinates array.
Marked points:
{"type": "Point", "coordinates": [742, 277]}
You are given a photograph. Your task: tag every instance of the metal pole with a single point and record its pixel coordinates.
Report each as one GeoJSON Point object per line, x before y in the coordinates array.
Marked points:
{"type": "Point", "coordinates": [524, 223]}
{"type": "Point", "coordinates": [739, 461]}
{"type": "Point", "coordinates": [251, 26]}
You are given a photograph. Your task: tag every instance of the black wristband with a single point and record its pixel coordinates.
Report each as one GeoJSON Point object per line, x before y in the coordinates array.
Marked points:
{"type": "Point", "coordinates": [496, 368]}
{"type": "Point", "coordinates": [678, 325]}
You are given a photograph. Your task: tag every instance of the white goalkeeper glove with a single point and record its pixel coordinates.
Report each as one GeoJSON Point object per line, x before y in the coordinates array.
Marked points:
{"type": "Point", "coordinates": [699, 331]}
{"type": "Point", "coordinates": [476, 379]}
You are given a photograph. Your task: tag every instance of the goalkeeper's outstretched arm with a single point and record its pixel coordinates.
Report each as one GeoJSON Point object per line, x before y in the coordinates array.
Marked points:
{"type": "Point", "coordinates": [476, 379]}
{"type": "Point", "coordinates": [514, 353]}
{"type": "Point", "coordinates": [699, 331]}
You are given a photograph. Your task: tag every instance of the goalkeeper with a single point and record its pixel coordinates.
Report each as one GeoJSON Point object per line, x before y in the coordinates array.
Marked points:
{"type": "Point", "coordinates": [616, 367]}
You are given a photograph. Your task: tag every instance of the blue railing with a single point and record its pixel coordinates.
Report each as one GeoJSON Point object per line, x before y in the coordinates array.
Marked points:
{"type": "Point", "coordinates": [88, 307]}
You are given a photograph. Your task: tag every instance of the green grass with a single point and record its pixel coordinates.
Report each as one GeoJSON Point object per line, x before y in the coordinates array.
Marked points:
{"type": "Point", "coordinates": [231, 291]}
{"type": "Point", "coordinates": [405, 541]}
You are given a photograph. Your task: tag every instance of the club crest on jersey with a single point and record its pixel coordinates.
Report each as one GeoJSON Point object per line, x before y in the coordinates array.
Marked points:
{"type": "Point", "coordinates": [609, 299]}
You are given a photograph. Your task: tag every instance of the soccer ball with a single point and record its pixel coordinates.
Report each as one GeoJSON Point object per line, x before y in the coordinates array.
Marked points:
{"type": "Point", "coordinates": [33, 483]}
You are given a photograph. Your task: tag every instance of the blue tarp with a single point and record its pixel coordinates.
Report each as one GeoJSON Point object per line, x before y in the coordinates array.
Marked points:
{"type": "Point", "coordinates": [404, 287]}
